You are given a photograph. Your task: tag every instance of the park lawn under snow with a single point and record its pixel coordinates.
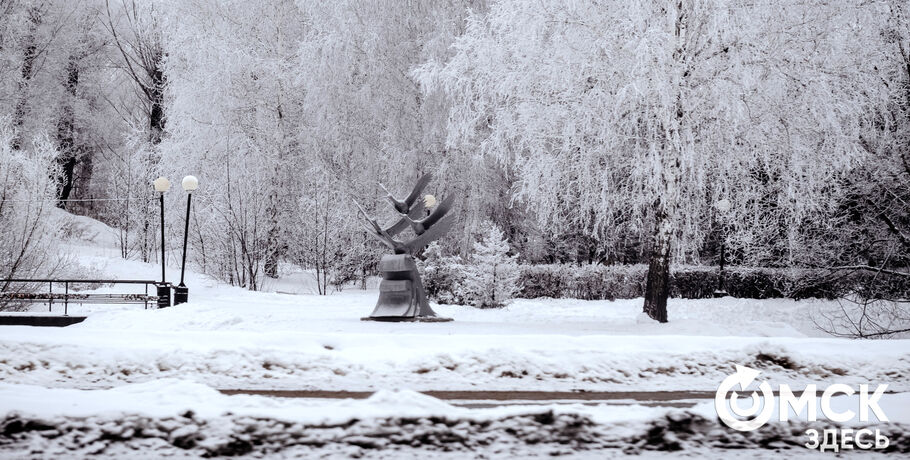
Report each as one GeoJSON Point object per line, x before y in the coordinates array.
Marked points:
{"type": "Point", "coordinates": [229, 337]}
{"type": "Point", "coordinates": [257, 340]}
{"type": "Point", "coordinates": [129, 381]}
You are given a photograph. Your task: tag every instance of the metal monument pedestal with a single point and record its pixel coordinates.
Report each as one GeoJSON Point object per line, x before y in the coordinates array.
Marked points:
{"type": "Point", "coordinates": [401, 293]}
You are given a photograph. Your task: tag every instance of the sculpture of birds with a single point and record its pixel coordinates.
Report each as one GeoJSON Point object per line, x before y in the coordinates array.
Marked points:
{"type": "Point", "coordinates": [405, 221]}
{"type": "Point", "coordinates": [431, 234]}
{"type": "Point", "coordinates": [404, 206]}
{"type": "Point", "coordinates": [427, 229]}
{"type": "Point", "coordinates": [380, 234]}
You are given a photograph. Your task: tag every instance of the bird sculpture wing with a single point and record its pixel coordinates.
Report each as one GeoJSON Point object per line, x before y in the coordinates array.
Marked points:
{"type": "Point", "coordinates": [404, 222]}
{"type": "Point", "coordinates": [430, 235]}
{"type": "Point", "coordinates": [377, 232]}
{"type": "Point", "coordinates": [439, 211]}
{"type": "Point", "coordinates": [418, 188]}
{"type": "Point", "coordinates": [404, 206]}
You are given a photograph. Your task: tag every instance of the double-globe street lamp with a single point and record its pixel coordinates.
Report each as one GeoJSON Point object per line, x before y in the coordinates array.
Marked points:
{"type": "Point", "coordinates": [181, 292]}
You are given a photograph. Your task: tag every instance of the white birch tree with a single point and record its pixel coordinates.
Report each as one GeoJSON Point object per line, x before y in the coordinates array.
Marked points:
{"type": "Point", "coordinates": [652, 111]}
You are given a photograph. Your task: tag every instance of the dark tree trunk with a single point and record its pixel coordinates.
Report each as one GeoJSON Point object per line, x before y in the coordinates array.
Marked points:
{"type": "Point", "coordinates": [270, 266]}
{"type": "Point", "coordinates": [657, 288]}
{"type": "Point", "coordinates": [156, 100]}
{"type": "Point", "coordinates": [66, 138]}
{"type": "Point", "coordinates": [272, 245]}
{"type": "Point", "coordinates": [65, 185]}
{"type": "Point", "coordinates": [28, 70]}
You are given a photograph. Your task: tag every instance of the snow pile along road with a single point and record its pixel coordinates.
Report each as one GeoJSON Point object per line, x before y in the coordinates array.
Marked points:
{"type": "Point", "coordinates": [176, 417]}
{"type": "Point", "coordinates": [247, 340]}
{"type": "Point", "coordinates": [89, 358]}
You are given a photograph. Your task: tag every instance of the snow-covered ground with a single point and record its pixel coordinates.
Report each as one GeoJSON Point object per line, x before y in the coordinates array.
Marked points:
{"type": "Point", "coordinates": [122, 381]}
{"type": "Point", "coordinates": [177, 418]}
{"type": "Point", "coordinates": [238, 339]}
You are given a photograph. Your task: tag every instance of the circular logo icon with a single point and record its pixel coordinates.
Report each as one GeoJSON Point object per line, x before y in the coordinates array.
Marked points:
{"type": "Point", "coordinates": [735, 416]}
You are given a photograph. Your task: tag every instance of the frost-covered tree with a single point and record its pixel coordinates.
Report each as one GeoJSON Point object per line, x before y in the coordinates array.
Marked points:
{"type": "Point", "coordinates": [28, 224]}
{"type": "Point", "coordinates": [442, 275]}
{"type": "Point", "coordinates": [367, 118]}
{"type": "Point", "coordinates": [233, 117]}
{"type": "Point", "coordinates": [491, 274]}
{"type": "Point", "coordinates": [49, 53]}
{"type": "Point", "coordinates": [137, 32]}
{"type": "Point", "coordinates": [644, 114]}
{"type": "Point", "coordinates": [874, 239]}
{"type": "Point", "coordinates": [322, 236]}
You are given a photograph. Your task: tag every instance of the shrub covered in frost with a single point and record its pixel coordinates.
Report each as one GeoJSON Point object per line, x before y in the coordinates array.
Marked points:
{"type": "Point", "coordinates": [595, 282]}
{"type": "Point", "coordinates": [491, 276]}
{"type": "Point", "coordinates": [442, 275]}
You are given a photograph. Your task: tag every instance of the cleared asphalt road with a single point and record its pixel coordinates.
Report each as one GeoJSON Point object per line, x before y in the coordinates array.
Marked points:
{"type": "Point", "coordinates": [500, 398]}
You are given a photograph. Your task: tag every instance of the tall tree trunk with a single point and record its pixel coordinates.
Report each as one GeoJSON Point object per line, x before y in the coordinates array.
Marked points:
{"type": "Point", "coordinates": [657, 288]}
{"type": "Point", "coordinates": [156, 101]}
{"type": "Point", "coordinates": [30, 53]}
{"type": "Point", "coordinates": [275, 247]}
{"type": "Point", "coordinates": [66, 138]}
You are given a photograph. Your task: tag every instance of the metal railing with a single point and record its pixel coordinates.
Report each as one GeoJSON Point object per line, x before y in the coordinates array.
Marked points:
{"type": "Point", "coordinates": [81, 298]}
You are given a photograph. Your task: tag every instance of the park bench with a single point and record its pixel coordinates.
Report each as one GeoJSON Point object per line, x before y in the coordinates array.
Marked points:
{"type": "Point", "coordinates": [66, 297]}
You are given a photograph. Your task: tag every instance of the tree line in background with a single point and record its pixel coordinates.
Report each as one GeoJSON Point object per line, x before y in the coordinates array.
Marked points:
{"type": "Point", "coordinates": [589, 132]}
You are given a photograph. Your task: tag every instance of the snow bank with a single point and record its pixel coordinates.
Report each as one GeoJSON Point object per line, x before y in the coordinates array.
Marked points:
{"type": "Point", "coordinates": [233, 338]}
{"type": "Point", "coordinates": [419, 357]}
{"type": "Point", "coordinates": [172, 416]}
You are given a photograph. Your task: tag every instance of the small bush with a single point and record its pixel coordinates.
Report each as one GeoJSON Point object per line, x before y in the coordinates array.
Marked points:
{"type": "Point", "coordinates": [544, 281]}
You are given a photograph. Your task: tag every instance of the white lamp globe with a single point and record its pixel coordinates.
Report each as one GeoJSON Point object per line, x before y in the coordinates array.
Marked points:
{"type": "Point", "coordinates": [190, 183]}
{"type": "Point", "coordinates": [161, 184]}
{"type": "Point", "coordinates": [722, 205]}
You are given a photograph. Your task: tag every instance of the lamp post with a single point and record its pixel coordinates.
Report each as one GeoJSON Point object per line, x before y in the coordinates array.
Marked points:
{"type": "Point", "coordinates": [164, 291]}
{"type": "Point", "coordinates": [722, 206]}
{"type": "Point", "coordinates": [181, 292]}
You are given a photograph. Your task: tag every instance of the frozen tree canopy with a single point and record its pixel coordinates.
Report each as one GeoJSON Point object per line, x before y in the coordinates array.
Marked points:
{"type": "Point", "coordinates": [615, 114]}
{"type": "Point", "coordinates": [640, 212]}
{"type": "Point", "coordinates": [589, 132]}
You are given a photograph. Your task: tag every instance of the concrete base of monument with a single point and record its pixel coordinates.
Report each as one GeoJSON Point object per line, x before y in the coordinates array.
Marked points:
{"type": "Point", "coordinates": [416, 319]}
{"type": "Point", "coordinates": [401, 294]}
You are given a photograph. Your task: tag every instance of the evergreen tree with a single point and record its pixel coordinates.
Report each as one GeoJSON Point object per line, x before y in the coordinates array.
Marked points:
{"type": "Point", "coordinates": [491, 277]}
{"type": "Point", "coordinates": [442, 275]}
